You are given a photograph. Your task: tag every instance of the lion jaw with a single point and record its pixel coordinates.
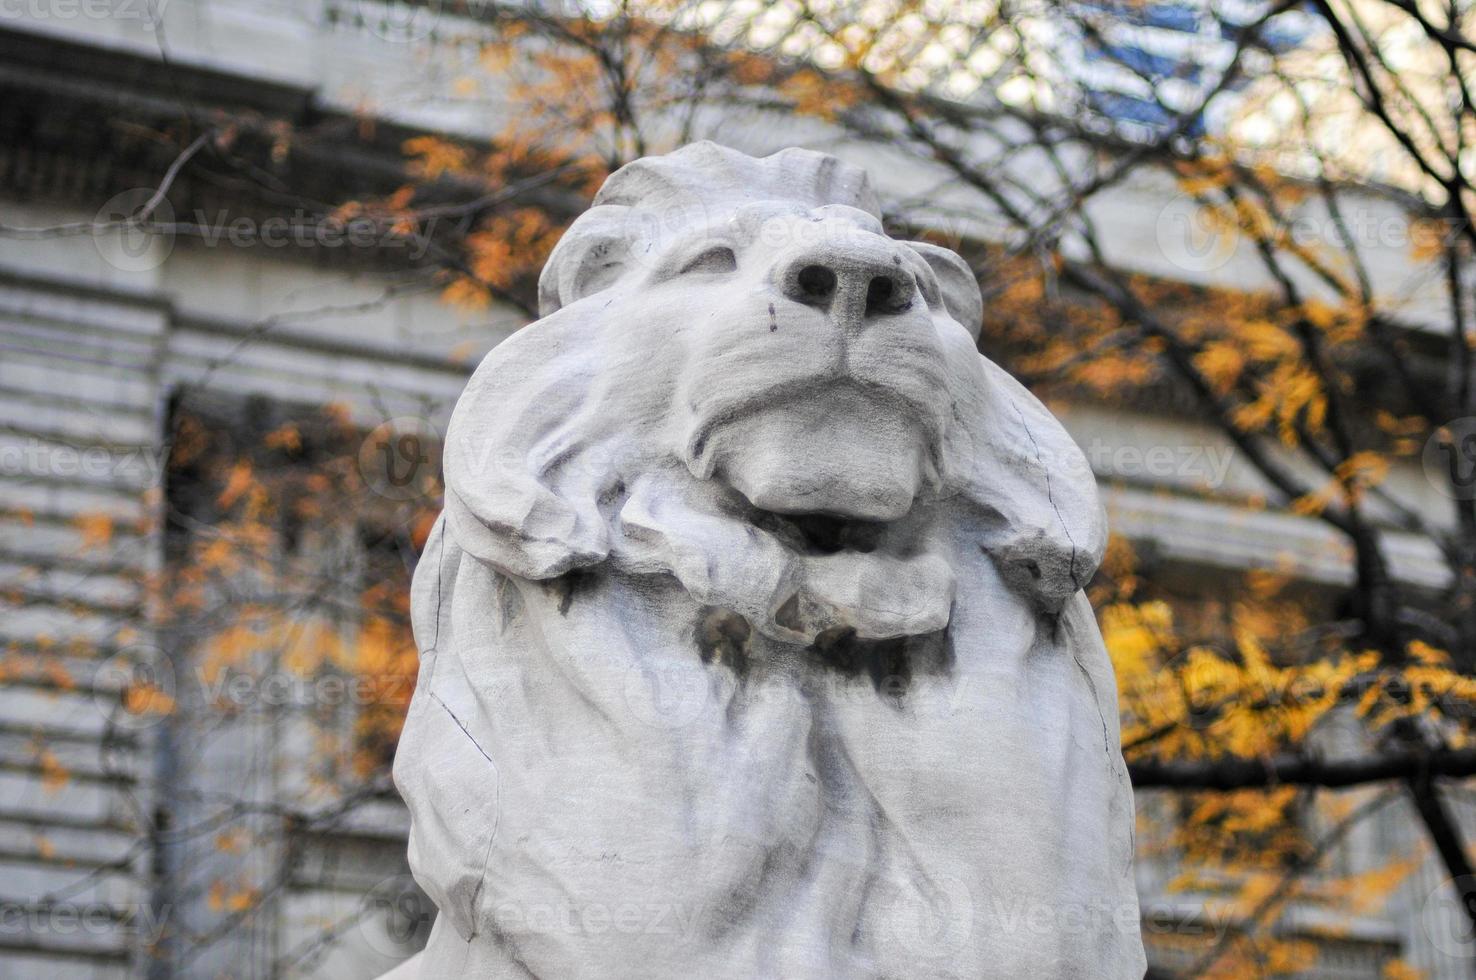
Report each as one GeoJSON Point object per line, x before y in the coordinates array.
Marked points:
{"type": "Point", "coordinates": [841, 450]}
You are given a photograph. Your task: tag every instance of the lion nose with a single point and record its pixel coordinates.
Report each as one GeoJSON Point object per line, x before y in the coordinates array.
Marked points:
{"type": "Point", "coordinates": [852, 280]}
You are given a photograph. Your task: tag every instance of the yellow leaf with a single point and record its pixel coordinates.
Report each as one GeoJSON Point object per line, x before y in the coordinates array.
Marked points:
{"type": "Point", "coordinates": [1221, 363]}
{"type": "Point", "coordinates": [1426, 654]}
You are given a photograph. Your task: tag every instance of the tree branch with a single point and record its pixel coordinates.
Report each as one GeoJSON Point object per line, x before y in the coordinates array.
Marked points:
{"type": "Point", "coordinates": [1297, 770]}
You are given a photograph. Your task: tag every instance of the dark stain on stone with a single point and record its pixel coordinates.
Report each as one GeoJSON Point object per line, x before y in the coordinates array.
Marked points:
{"type": "Point", "coordinates": [889, 664]}
{"type": "Point", "coordinates": [566, 586]}
{"type": "Point", "coordinates": [788, 614]}
{"type": "Point", "coordinates": [723, 637]}
{"type": "Point", "coordinates": [773, 319]}
{"type": "Point", "coordinates": [510, 601]}
{"type": "Point", "coordinates": [820, 534]}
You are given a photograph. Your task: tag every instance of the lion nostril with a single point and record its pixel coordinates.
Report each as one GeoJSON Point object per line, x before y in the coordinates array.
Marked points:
{"type": "Point", "coordinates": [879, 293]}
{"type": "Point", "coordinates": [816, 282]}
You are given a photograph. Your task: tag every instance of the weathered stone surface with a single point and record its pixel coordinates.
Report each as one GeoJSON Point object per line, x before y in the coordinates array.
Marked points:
{"type": "Point", "coordinates": [753, 636]}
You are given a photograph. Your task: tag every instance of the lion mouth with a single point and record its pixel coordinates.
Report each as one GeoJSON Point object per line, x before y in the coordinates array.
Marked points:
{"type": "Point", "coordinates": [821, 533]}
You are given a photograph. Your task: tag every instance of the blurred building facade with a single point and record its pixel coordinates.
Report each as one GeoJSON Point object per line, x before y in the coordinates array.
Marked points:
{"type": "Point", "coordinates": [1139, 66]}
{"type": "Point", "coordinates": [104, 334]}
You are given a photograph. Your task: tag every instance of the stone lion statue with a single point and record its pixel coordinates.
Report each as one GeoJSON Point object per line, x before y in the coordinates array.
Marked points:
{"type": "Point", "coordinates": [753, 636]}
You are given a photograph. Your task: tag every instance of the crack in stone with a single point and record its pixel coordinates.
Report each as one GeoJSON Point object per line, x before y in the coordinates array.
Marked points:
{"type": "Point", "coordinates": [1054, 506]}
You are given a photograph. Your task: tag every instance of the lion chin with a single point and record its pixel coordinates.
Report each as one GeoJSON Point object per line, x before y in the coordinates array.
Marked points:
{"type": "Point", "coordinates": [753, 639]}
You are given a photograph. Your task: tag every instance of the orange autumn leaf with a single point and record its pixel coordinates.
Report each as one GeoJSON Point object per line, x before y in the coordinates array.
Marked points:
{"type": "Point", "coordinates": [467, 294]}
{"type": "Point", "coordinates": [231, 841]}
{"type": "Point", "coordinates": [224, 898]}
{"type": "Point", "coordinates": [96, 528]}
{"type": "Point", "coordinates": [236, 485]}
{"type": "Point", "coordinates": [58, 675]}
{"type": "Point", "coordinates": [435, 156]}
{"type": "Point", "coordinates": [285, 437]}
{"type": "Point", "coordinates": [54, 775]}
{"type": "Point", "coordinates": [145, 699]}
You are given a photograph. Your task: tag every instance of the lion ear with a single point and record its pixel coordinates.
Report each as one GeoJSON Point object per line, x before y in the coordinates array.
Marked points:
{"type": "Point", "coordinates": [956, 281]}
{"type": "Point", "coordinates": [591, 256]}
{"type": "Point", "coordinates": [1046, 529]}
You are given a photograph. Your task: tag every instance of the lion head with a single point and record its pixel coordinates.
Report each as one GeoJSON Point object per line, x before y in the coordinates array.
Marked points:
{"type": "Point", "coordinates": [741, 380]}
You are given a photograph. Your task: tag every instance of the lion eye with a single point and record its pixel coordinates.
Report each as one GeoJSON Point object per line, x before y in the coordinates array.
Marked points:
{"type": "Point", "coordinates": [719, 258]}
